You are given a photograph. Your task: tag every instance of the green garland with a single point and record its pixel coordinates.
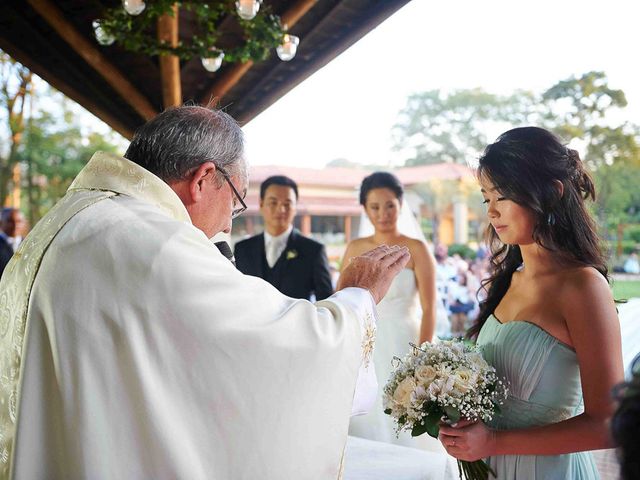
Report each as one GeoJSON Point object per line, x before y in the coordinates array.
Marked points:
{"type": "Point", "coordinates": [138, 33]}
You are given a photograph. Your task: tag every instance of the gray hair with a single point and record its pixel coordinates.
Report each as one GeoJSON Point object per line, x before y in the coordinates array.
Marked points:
{"type": "Point", "coordinates": [181, 139]}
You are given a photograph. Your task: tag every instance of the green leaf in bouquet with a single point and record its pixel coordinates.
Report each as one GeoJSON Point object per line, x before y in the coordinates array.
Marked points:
{"type": "Point", "coordinates": [430, 424]}
{"type": "Point", "coordinates": [452, 413]}
{"type": "Point", "coordinates": [418, 429]}
{"type": "Point", "coordinates": [433, 423]}
{"type": "Point", "coordinates": [387, 411]}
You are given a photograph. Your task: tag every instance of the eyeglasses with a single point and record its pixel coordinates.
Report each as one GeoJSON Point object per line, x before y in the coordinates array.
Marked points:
{"type": "Point", "coordinates": [238, 198]}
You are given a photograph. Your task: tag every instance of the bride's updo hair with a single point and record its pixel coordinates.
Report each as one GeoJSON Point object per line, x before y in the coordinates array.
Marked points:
{"type": "Point", "coordinates": [527, 165]}
{"type": "Point", "coordinates": [380, 180]}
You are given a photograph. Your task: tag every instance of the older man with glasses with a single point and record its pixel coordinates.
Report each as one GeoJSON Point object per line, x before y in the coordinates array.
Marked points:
{"type": "Point", "coordinates": [131, 348]}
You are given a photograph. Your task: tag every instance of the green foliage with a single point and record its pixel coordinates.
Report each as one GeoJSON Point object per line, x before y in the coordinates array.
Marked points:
{"type": "Point", "coordinates": [430, 424]}
{"type": "Point", "coordinates": [15, 90]}
{"type": "Point", "coordinates": [54, 150]}
{"type": "Point", "coordinates": [138, 33]}
{"type": "Point", "coordinates": [426, 225]}
{"type": "Point", "coordinates": [463, 250]}
{"type": "Point", "coordinates": [625, 289]}
{"type": "Point", "coordinates": [632, 232]}
{"type": "Point", "coordinates": [628, 246]}
{"type": "Point", "coordinates": [437, 127]}
{"type": "Point", "coordinates": [578, 103]}
{"type": "Point", "coordinates": [579, 106]}
{"type": "Point", "coordinates": [453, 415]}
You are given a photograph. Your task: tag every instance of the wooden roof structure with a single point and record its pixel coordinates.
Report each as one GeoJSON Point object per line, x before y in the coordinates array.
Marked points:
{"type": "Point", "coordinates": [55, 39]}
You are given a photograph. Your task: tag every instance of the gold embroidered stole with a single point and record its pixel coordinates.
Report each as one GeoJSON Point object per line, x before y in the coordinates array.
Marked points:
{"type": "Point", "coordinates": [15, 291]}
{"type": "Point", "coordinates": [104, 176]}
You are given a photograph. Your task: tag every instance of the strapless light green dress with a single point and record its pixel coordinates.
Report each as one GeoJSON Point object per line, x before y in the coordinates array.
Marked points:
{"type": "Point", "coordinates": [544, 388]}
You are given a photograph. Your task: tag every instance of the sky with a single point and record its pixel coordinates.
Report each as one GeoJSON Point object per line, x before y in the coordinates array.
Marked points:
{"type": "Point", "coordinates": [347, 109]}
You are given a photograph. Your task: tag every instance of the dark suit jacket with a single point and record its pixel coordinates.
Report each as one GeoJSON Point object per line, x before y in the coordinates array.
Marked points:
{"type": "Point", "coordinates": [302, 268]}
{"type": "Point", "coordinates": [6, 252]}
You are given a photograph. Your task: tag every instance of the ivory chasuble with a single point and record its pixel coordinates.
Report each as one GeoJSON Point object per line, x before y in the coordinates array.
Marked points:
{"type": "Point", "coordinates": [131, 348]}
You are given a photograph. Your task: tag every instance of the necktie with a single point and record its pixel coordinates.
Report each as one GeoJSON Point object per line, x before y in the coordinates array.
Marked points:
{"type": "Point", "coordinates": [272, 253]}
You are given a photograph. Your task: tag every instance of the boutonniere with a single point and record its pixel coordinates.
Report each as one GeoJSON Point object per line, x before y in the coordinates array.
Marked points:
{"type": "Point", "coordinates": [291, 254]}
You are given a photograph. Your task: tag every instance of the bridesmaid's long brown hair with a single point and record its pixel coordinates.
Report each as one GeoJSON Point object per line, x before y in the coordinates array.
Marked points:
{"type": "Point", "coordinates": [523, 164]}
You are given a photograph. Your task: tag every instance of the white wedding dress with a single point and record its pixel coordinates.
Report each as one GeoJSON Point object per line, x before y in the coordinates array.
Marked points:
{"type": "Point", "coordinates": [398, 325]}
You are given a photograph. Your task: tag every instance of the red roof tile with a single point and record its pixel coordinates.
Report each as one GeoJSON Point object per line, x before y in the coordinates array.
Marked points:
{"type": "Point", "coordinates": [351, 177]}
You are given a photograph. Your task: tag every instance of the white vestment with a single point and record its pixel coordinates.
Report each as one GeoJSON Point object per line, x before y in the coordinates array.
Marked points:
{"type": "Point", "coordinates": [130, 348]}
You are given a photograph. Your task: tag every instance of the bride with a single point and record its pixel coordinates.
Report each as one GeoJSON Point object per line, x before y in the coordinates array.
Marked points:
{"type": "Point", "coordinates": [398, 321]}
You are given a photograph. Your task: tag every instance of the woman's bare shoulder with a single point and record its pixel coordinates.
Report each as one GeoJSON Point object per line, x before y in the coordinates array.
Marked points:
{"type": "Point", "coordinates": [583, 281]}
{"type": "Point", "coordinates": [418, 248]}
{"type": "Point", "coordinates": [360, 245]}
{"type": "Point", "coordinates": [584, 289]}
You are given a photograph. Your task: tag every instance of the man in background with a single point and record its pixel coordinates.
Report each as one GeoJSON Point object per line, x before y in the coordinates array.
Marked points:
{"type": "Point", "coordinates": [294, 264]}
{"type": "Point", "coordinates": [12, 226]}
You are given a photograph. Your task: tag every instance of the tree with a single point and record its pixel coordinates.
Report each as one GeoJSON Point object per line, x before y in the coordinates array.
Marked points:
{"type": "Point", "coordinates": [435, 127]}
{"type": "Point", "coordinates": [578, 110]}
{"type": "Point", "coordinates": [54, 150]}
{"type": "Point", "coordinates": [15, 88]}
{"type": "Point", "coordinates": [50, 144]}
{"type": "Point", "coordinates": [578, 104]}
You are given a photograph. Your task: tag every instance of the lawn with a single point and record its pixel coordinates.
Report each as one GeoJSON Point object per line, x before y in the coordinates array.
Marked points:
{"type": "Point", "coordinates": [626, 289]}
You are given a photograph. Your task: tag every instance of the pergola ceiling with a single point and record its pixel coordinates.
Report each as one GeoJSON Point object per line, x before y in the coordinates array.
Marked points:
{"type": "Point", "coordinates": [55, 40]}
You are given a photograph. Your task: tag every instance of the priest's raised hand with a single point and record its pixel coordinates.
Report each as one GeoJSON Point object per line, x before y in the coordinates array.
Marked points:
{"type": "Point", "coordinates": [375, 269]}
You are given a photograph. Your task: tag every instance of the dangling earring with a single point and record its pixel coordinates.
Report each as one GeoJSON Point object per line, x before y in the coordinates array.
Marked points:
{"type": "Point", "coordinates": [551, 219]}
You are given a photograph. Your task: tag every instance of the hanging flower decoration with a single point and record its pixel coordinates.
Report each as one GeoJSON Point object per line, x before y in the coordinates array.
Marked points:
{"type": "Point", "coordinates": [133, 27]}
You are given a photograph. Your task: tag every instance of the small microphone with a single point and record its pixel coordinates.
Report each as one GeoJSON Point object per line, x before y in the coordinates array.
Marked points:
{"type": "Point", "coordinates": [225, 250]}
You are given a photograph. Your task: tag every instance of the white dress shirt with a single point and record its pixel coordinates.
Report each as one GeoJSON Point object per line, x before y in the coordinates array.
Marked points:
{"type": "Point", "coordinates": [274, 246]}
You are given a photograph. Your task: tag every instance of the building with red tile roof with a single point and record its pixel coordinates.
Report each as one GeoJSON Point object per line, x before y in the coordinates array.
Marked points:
{"type": "Point", "coordinates": [328, 207]}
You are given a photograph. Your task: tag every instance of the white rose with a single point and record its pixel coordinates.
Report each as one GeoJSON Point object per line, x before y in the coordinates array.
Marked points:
{"type": "Point", "coordinates": [425, 374]}
{"type": "Point", "coordinates": [463, 380]}
{"type": "Point", "coordinates": [403, 392]}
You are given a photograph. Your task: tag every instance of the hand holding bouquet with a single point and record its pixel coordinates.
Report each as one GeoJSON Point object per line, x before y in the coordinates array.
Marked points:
{"type": "Point", "coordinates": [445, 381]}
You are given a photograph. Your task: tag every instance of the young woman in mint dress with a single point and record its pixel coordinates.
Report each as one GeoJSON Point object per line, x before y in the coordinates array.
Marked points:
{"type": "Point", "coordinates": [549, 323]}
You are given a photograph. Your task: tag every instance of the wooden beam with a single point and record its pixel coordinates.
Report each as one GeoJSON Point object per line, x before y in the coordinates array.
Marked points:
{"type": "Point", "coordinates": [233, 75]}
{"type": "Point", "coordinates": [87, 102]}
{"type": "Point", "coordinates": [54, 17]}
{"type": "Point", "coordinates": [295, 13]}
{"type": "Point", "coordinates": [226, 82]}
{"type": "Point", "coordinates": [170, 64]}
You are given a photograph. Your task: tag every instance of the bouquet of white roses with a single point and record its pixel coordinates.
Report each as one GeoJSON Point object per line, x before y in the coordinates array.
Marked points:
{"type": "Point", "coordinates": [445, 381]}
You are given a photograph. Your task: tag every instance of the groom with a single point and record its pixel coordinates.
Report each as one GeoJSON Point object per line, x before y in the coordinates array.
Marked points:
{"type": "Point", "coordinates": [131, 347]}
{"type": "Point", "coordinates": [294, 264]}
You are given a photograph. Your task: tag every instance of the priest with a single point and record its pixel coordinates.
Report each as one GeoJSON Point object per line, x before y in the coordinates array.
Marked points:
{"type": "Point", "coordinates": [130, 347]}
